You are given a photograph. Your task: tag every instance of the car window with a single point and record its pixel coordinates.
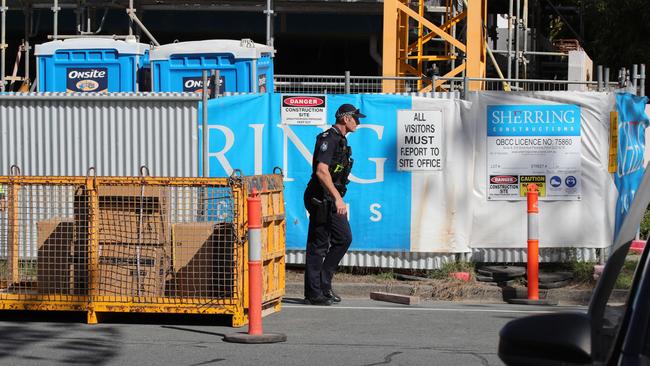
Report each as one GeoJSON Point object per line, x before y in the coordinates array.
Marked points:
{"type": "Point", "coordinates": [619, 297]}
{"type": "Point", "coordinates": [611, 295]}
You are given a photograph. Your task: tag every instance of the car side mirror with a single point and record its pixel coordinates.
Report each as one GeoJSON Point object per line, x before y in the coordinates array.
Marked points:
{"type": "Point", "coordinates": [546, 339]}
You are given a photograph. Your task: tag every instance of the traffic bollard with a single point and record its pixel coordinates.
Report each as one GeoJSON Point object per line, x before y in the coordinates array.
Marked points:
{"type": "Point", "coordinates": [255, 265]}
{"type": "Point", "coordinates": [532, 196]}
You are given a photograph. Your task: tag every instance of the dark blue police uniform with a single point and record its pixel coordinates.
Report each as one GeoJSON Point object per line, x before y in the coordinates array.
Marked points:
{"type": "Point", "coordinates": [329, 234]}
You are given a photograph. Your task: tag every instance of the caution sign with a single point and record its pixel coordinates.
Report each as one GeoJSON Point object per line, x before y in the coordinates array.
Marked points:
{"type": "Point", "coordinates": [308, 110]}
{"type": "Point", "coordinates": [419, 140]}
{"type": "Point", "coordinates": [538, 180]}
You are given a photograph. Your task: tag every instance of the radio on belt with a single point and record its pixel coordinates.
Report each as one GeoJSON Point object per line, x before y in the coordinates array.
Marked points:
{"type": "Point", "coordinates": [91, 65]}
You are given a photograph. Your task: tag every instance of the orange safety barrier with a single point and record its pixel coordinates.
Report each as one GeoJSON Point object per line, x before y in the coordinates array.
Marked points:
{"type": "Point", "coordinates": [255, 278]}
{"type": "Point", "coordinates": [532, 196]}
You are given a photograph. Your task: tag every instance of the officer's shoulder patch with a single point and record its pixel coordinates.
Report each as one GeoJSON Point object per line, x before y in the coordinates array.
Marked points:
{"type": "Point", "coordinates": [323, 146]}
{"type": "Point", "coordinates": [324, 134]}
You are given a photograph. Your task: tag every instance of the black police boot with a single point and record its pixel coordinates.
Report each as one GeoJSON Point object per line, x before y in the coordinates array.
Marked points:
{"type": "Point", "coordinates": [318, 300]}
{"type": "Point", "coordinates": [332, 296]}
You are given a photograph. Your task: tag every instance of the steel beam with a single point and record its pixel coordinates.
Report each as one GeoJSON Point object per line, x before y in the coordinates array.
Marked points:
{"type": "Point", "coordinates": [3, 45]}
{"type": "Point", "coordinates": [475, 59]}
{"type": "Point", "coordinates": [390, 53]}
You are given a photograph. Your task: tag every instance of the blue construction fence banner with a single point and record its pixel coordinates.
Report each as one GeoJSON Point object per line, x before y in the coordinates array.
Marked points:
{"type": "Point", "coordinates": [439, 175]}
{"type": "Point", "coordinates": [632, 122]}
{"type": "Point", "coordinates": [246, 133]}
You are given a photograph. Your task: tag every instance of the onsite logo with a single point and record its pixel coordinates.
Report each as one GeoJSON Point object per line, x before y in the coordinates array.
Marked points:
{"type": "Point", "coordinates": [195, 84]}
{"type": "Point", "coordinates": [304, 102]}
{"type": "Point", "coordinates": [87, 74]}
{"type": "Point", "coordinates": [87, 85]}
{"type": "Point", "coordinates": [85, 79]}
{"type": "Point", "coordinates": [503, 179]}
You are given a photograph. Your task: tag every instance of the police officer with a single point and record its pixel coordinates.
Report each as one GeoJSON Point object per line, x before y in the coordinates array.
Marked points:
{"type": "Point", "coordinates": [329, 234]}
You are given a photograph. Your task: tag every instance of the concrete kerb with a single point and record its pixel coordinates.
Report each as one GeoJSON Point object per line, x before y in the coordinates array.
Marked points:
{"type": "Point", "coordinates": [455, 291]}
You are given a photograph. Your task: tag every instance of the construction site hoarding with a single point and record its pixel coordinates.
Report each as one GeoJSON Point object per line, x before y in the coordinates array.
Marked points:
{"type": "Point", "coordinates": [436, 211]}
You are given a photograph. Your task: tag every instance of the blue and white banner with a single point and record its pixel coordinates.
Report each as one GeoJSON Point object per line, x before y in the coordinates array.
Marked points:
{"type": "Point", "coordinates": [247, 133]}
{"type": "Point", "coordinates": [437, 202]}
{"type": "Point", "coordinates": [632, 122]}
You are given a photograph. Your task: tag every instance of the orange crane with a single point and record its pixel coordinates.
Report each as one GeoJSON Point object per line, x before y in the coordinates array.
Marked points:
{"type": "Point", "coordinates": [408, 43]}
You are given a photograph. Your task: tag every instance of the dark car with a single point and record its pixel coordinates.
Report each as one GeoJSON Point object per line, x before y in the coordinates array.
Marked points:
{"type": "Point", "coordinates": [609, 333]}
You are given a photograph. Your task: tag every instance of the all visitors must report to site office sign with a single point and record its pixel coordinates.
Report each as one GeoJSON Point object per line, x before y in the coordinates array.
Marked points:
{"type": "Point", "coordinates": [419, 140]}
{"type": "Point", "coordinates": [537, 144]}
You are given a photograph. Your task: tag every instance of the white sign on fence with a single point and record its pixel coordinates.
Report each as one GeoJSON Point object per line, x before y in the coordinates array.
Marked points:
{"type": "Point", "coordinates": [419, 140]}
{"type": "Point", "coordinates": [309, 110]}
{"type": "Point", "coordinates": [537, 144]}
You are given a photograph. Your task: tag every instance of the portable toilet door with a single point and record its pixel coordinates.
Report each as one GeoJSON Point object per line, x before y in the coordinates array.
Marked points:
{"type": "Point", "coordinates": [83, 65]}
{"type": "Point", "coordinates": [244, 66]}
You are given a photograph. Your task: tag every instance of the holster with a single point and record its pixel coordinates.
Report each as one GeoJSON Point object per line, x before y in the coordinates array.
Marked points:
{"type": "Point", "coordinates": [320, 211]}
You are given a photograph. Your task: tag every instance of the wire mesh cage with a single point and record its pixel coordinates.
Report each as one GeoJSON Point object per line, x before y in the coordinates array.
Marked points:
{"type": "Point", "coordinates": [144, 244]}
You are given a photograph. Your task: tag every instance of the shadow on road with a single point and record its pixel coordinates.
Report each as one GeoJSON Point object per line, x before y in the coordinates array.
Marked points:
{"type": "Point", "coordinates": [75, 345]}
{"type": "Point", "coordinates": [194, 330]}
{"type": "Point", "coordinates": [293, 300]}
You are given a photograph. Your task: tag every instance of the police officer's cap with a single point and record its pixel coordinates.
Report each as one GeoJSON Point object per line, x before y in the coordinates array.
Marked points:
{"type": "Point", "coordinates": [348, 109]}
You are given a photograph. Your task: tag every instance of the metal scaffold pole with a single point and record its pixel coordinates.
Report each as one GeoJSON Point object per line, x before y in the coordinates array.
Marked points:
{"type": "Point", "coordinates": [3, 46]}
{"type": "Point", "coordinates": [269, 22]}
{"type": "Point", "coordinates": [131, 10]}
{"type": "Point", "coordinates": [517, 36]}
{"type": "Point", "coordinates": [525, 26]}
{"type": "Point", "coordinates": [642, 81]}
{"type": "Point", "coordinates": [204, 123]}
{"type": "Point", "coordinates": [509, 73]}
{"type": "Point", "coordinates": [55, 20]}
{"type": "Point", "coordinates": [28, 31]}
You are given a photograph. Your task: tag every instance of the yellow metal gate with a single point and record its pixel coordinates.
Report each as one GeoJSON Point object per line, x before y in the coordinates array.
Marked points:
{"type": "Point", "coordinates": [136, 244]}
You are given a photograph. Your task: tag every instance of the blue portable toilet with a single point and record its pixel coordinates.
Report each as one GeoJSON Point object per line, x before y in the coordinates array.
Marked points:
{"type": "Point", "coordinates": [244, 66]}
{"type": "Point", "coordinates": [89, 65]}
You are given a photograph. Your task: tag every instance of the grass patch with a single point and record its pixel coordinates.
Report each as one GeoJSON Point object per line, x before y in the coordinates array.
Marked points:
{"type": "Point", "coordinates": [583, 271]}
{"type": "Point", "coordinates": [450, 267]}
{"type": "Point", "coordinates": [626, 277]}
{"type": "Point", "coordinates": [644, 229]}
{"type": "Point", "coordinates": [385, 275]}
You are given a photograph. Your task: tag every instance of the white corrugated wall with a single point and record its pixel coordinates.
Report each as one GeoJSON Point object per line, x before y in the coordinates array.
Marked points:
{"type": "Point", "coordinates": [65, 134]}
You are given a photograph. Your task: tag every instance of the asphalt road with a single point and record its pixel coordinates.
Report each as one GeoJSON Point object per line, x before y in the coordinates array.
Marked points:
{"type": "Point", "coordinates": [355, 332]}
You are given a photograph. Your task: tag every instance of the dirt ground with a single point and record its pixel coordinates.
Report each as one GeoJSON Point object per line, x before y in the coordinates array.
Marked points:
{"type": "Point", "coordinates": [296, 274]}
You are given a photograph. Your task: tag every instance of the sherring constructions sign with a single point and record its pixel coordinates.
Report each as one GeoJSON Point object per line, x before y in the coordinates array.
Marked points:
{"type": "Point", "coordinates": [537, 144]}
